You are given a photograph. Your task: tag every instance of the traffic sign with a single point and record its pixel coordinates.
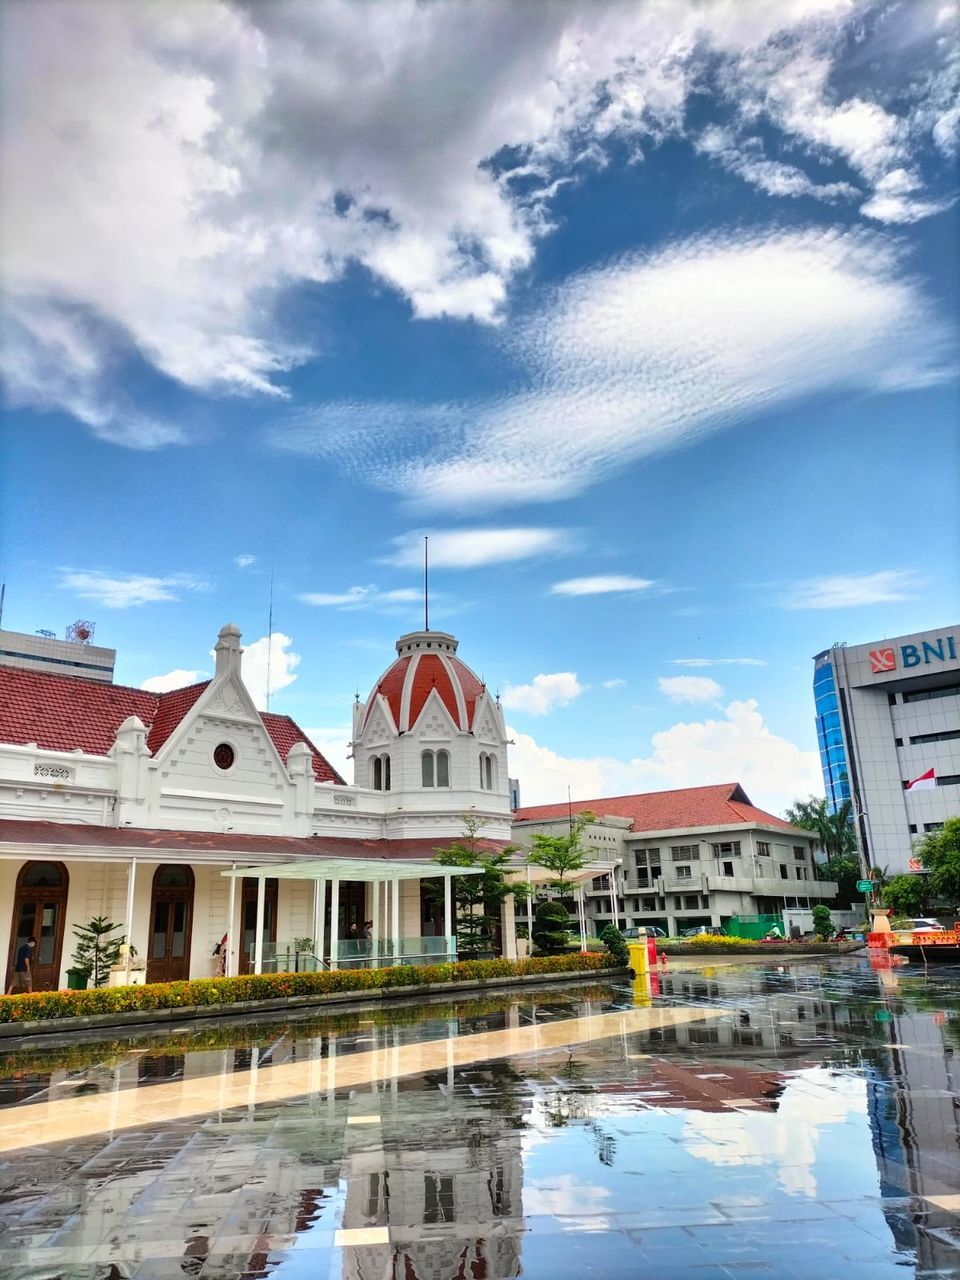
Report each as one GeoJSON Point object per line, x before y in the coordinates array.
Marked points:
{"type": "Point", "coordinates": [883, 1015]}
{"type": "Point", "coordinates": [865, 886]}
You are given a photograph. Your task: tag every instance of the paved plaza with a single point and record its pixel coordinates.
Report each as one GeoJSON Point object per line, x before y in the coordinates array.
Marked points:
{"type": "Point", "coordinates": [748, 1120]}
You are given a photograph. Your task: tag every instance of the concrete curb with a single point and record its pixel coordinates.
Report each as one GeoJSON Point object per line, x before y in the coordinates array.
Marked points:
{"type": "Point", "coordinates": [134, 1019]}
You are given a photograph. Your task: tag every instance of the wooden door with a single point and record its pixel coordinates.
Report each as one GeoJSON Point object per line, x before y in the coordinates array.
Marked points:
{"type": "Point", "coordinates": [248, 920]}
{"type": "Point", "coordinates": [171, 923]}
{"type": "Point", "coordinates": [39, 908]}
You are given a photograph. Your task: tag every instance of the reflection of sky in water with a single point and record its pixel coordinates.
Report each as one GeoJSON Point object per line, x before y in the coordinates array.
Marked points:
{"type": "Point", "coordinates": [634, 1155]}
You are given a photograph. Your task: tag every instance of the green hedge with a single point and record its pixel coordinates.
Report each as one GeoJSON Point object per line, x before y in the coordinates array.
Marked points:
{"type": "Point", "coordinates": [42, 1005]}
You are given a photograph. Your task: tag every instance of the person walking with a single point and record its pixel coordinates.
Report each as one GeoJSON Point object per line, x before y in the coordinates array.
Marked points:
{"type": "Point", "coordinates": [22, 979]}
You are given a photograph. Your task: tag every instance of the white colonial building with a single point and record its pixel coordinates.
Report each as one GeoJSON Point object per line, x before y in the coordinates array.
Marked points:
{"type": "Point", "coordinates": [190, 815]}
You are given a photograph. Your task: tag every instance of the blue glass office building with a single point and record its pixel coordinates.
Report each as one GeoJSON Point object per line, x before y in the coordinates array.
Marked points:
{"type": "Point", "coordinates": [833, 752]}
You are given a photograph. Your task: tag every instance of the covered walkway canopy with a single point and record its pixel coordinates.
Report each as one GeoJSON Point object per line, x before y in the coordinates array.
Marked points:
{"type": "Point", "coordinates": [535, 875]}
{"type": "Point", "coordinates": [384, 874]}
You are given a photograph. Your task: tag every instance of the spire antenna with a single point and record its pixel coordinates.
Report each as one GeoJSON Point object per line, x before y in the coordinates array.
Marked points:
{"type": "Point", "coordinates": [269, 637]}
{"type": "Point", "coordinates": [426, 583]}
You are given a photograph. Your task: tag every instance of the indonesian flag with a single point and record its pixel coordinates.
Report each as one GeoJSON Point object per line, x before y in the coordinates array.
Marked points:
{"type": "Point", "coordinates": [926, 782]}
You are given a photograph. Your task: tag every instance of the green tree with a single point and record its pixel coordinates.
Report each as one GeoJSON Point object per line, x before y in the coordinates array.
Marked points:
{"type": "Point", "coordinates": [478, 898]}
{"type": "Point", "coordinates": [907, 895]}
{"type": "Point", "coordinates": [550, 923]}
{"type": "Point", "coordinates": [834, 830]}
{"type": "Point", "coordinates": [940, 854]}
{"type": "Point", "coordinates": [95, 952]}
{"type": "Point", "coordinates": [562, 855]}
{"type": "Point", "coordinates": [846, 872]}
{"type": "Point", "coordinates": [616, 944]}
{"type": "Point", "coordinates": [822, 924]}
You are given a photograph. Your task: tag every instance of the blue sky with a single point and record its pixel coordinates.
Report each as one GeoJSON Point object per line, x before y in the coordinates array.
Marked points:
{"type": "Point", "coordinates": [646, 314]}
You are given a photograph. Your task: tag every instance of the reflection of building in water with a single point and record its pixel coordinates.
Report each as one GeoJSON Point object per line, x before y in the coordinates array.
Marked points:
{"type": "Point", "coordinates": [915, 1126]}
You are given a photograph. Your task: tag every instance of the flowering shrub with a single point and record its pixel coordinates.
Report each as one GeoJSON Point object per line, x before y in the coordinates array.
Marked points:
{"type": "Point", "coordinates": [39, 1006]}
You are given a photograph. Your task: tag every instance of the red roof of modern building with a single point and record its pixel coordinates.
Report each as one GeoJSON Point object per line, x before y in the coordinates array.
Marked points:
{"type": "Point", "coordinates": [427, 663]}
{"type": "Point", "coordinates": [64, 713]}
{"type": "Point", "coordinates": [231, 846]}
{"type": "Point", "coordinates": [724, 805]}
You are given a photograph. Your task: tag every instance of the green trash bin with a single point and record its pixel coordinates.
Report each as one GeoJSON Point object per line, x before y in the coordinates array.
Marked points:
{"type": "Point", "coordinates": [77, 979]}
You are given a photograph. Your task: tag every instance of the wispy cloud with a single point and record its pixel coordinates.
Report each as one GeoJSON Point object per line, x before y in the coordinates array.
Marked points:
{"type": "Point", "coordinates": [616, 683]}
{"type": "Point", "coordinates": [471, 548]}
{"type": "Point", "coordinates": [176, 679]}
{"type": "Point", "coordinates": [244, 562]}
{"type": "Point", "coordinates": [648, 353]}
{"type": "Point", "coordinates": [690, 688]}
{"type": "Point", "coordinates": [602, 584]}
{"type": "Point", "coordinates": [717, 662]}
{"type": "Point", "coordinates": [850, 591]}
{"type": "Point", "coordinates": [128, 590]}
{"type": "Point", "coordinates": [545, 693]}
{"type": "Point", "coordinates": [371, 597]}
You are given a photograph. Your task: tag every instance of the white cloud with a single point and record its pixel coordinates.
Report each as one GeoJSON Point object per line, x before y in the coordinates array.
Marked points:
{"type": "Point", "coordinates": [717, 662]}
{"type": "Point", "coordinates": [244, 562]}
{"type": "Point", "coordinates": [650, 353]}
{"type": "Point", "coordinates": [334, 744]}
{"type": "Point", "coordinates": [208, 156]}
{"type": "Point", "coordinates": [270, 655]}
{"type": "Point", "coordinates": [690, 688]}
{"type": "Point", "coordinates": [737, 747]}
{"type": "Point", "coordinates": [616, 683]}
{"type": "Point", "coordinates": [130, 590]}
{"type": "Point", "coordinates": [601, 584]}
{"type": "Point", "coordinates": [849, 591]}
{"type": "Point", "coordinates": [176, 679]}
{"type": "Point", "coordinates": [470, 548]}
{"type": "Point", "coordinates": [370, 597]}
{"type": "Point", "coordinates": [545, 693]}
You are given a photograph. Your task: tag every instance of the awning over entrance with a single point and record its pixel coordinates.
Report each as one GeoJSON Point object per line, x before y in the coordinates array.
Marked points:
{"type": "Point", "coordinates": [386, 944]}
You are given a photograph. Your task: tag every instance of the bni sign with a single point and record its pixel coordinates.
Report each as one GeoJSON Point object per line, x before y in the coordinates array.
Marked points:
{"type": "Point", "coordinates": [889, 658]}
{"type": "Point", "coordinates": [914, 864]}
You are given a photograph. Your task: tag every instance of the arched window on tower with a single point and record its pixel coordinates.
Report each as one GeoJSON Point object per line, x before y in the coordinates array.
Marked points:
{"type": "Point", "coordinates": [488, 771]}
{"type": "Point", "coordinates": [426, 769]}
{"type": "Point", "coordinates": [381, 772]}
{"type": "Point", "coordinates": [443, 768]}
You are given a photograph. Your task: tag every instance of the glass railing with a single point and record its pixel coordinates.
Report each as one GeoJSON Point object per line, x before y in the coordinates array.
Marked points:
{"type": "Point", "coordinates": [360, 953]}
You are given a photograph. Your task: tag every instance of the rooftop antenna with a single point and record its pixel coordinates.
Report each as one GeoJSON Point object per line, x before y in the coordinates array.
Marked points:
{"type": "Point", "coordinates": [569, 809]}
{"type": "Point", "coordinates": [269, 637]}
{"type": "Point", "coordinates": [426, 583]}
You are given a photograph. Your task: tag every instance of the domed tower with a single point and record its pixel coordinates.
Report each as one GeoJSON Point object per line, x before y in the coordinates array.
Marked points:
{"type": "Point", "coordinates": [431, 734]}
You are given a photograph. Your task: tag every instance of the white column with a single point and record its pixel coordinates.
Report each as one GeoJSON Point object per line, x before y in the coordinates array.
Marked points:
{"type": "Point", "coordinates": [375, 931]}
{"type": "Point", "coordinates": [395, 926]}
{"type": "Point", "coordinates": [583, 923]}
{"type": "Point", "coordinates": [334, 922]}
{"type": "Point", "coordinates": [230, 961]}
{"type": "Point", "coordinates": [131, 887]}
{"type": "Point", "coordinates": [321, 917]}
{"type": "Point", "coordinates": [317, 908]}
{"type": "Point", "coordinates": [614, 914]}
{"type": "Point", "coordinates": [448, 914]}
{"type": "Point", "coordinates": [258, 937]}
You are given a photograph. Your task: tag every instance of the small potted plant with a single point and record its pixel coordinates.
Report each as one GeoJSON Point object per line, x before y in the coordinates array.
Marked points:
{"type": "Point", "coordinates": [96, 953]}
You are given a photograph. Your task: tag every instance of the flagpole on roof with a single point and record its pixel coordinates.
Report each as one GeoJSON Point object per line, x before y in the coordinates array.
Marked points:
{"type": "Point", "coordinates": [426, 584]}
{"type": "Point", "coordinates": [269, 637]}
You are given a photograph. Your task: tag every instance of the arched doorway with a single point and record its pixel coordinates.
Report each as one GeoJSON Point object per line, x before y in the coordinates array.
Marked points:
{"type": "Point", "coordinates": [248, 920]}
{"type": "Point", "coordinates": [171, 920]}
{"type": "Point", "coordinates": [39, 908]}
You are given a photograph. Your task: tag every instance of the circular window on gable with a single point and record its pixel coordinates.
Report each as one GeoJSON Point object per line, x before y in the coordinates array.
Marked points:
{"type": "Point", "coordinates": [223, 756]}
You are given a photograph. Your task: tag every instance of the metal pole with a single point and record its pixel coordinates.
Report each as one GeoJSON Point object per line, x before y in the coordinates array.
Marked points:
{"type": "Point", "coordinates": [614, 916]}
{"type": "Point", "coordinates": [228, 960]}
{"type": "Point", "coordinates": [448, 916]}
{"type": "Point", "coordinates": [583, 921]}
{"type": "Point", "coordinates": [334, 922]}
{"type": "Point", "coordinates": [258, 938]}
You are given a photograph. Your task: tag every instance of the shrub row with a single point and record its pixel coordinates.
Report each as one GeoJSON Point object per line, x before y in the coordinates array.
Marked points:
{"type": "Point", "coordinates": [40, 1006]}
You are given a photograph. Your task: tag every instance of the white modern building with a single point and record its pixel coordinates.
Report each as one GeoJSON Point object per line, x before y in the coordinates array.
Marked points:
{"type": "Point", "coordinates": [190, 815]}
{"type": "Point", "coordinates": [59, 657]}
{"type": "Point", "coordinates": [888, 726]}
{"type": "Point", "coordinates": [694, 856]}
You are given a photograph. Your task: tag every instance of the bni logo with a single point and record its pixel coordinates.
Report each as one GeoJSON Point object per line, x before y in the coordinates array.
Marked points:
{"type": "Point", "coordinates": [882, 660]}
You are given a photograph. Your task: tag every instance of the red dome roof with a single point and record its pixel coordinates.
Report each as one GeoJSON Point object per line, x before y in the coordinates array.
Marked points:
{"type": "Point", "coordinates": [426, 661]}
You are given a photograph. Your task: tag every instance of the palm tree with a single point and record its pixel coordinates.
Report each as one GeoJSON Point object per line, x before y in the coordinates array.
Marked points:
{"type": "Point", "coordinates": [835, 831]}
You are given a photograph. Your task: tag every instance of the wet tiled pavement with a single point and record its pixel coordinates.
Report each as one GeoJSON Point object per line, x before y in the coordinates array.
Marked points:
{"type": "Point", "coordinates": [751, 1121]}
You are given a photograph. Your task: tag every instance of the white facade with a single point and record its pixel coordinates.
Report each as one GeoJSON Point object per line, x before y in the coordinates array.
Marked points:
{"type": "Point", "coordinates": [899, 709]}
{"type": "Point", "coordinates": [59, 657]}
{"type": "Point", "coordinates": [219, 773]}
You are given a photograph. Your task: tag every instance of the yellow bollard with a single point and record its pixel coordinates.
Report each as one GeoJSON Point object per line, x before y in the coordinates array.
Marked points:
{"type": "Point", "coordinates": [639, 959]}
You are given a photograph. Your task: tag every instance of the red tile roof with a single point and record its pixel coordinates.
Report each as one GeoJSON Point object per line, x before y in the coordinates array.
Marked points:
{"type": "Point", "coordinates": [724, 805]}
{"type": "Point", "coordinates": [25, 832]}
{"type": "Point", "coordinates": [418, 675]}
{"type": "Point", "coordinates": [64, 713]}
